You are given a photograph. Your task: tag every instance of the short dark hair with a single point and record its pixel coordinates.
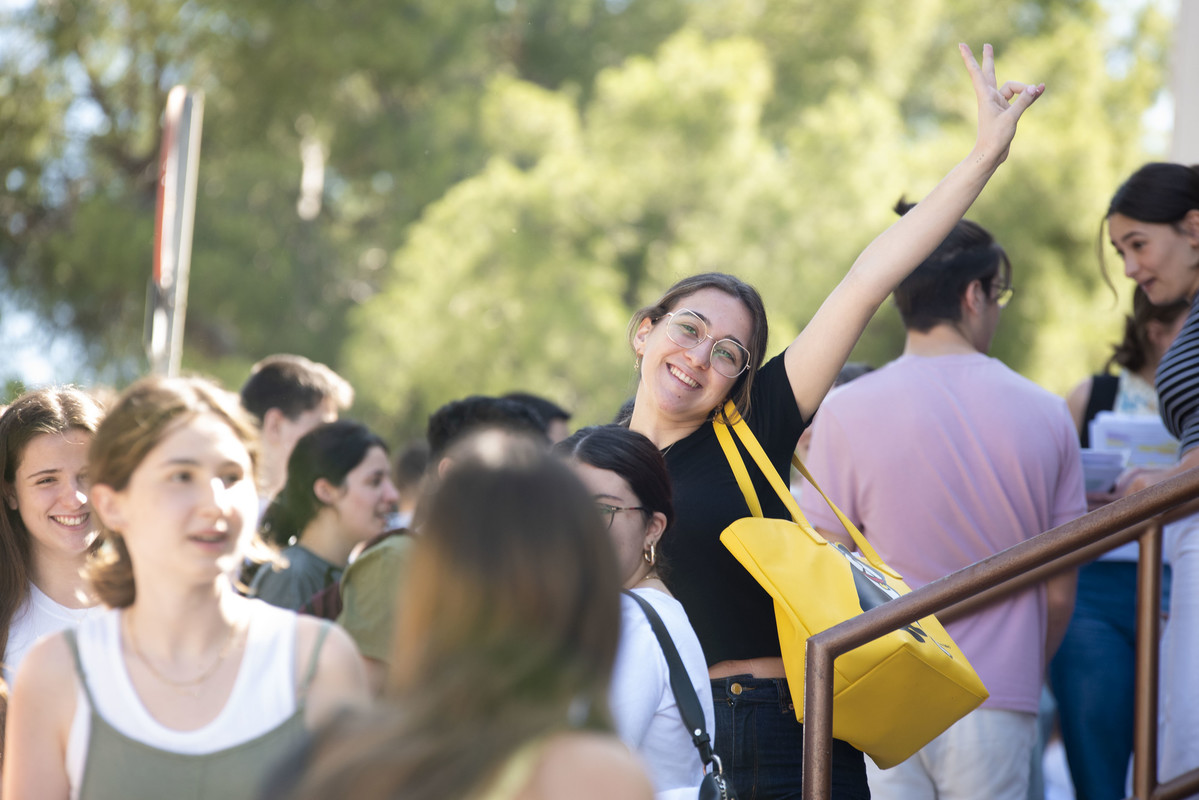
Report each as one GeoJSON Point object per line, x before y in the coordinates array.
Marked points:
{"type": "Point", "coordinates": [624, 414]}
{"type": "Point", "coordinates": [548, 410]}
{"type": "Point", "coordinates": [1158, 192]}
{"type": "Point", "coordinates": [411, 463]}
{"type": "Point", "coordinates": [293, 384]}
{"type": "Point", "coordinates": [454, 420]}
{"type": "Point", "coordinates": [932, 293]}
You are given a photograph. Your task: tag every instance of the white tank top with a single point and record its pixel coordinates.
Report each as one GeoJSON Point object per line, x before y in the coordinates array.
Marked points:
{"type": "Point", "coordinates": [263, 696]}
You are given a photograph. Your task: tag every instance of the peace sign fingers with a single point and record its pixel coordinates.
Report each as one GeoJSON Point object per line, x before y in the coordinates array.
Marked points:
{"type": "Point", "coordinates": [999, 108]}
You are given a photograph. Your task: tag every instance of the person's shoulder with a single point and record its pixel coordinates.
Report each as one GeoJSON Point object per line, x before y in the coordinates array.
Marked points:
{"type": "Point", "coordinates": [866, 390]}
{"type": "Point", "coordinates": [384, 554]}
{"type": "Point", "coordinates": [266, 614]}
{"type": "Point", "coordinates": [48, 670]}
{"type": "Point", "coordinates": [51, 654]}
{"type": "Point", "coordinates": [300, 558]}
{"type": "Point", "coordinates": [588, 766]}
{"type": "Point", "coordinates": [338, 676]}
{"type": "Point", "coordinates": [1028, 389]}
{"type": "Point", "coordinates": [39, 714]}
{"type": "Point", "coordinates": [336, 646]}
{"type": "Point", "coordinates": [634, 624]}
{"type": "Point", "coordinates": [772, 381]}
{"type": "Point", "coordinates": [665, 604]}
{"type": "Point", "coordinates": [277, 586]}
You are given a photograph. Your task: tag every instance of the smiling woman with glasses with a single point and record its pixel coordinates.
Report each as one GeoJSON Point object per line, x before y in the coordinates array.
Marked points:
{"type": "Point", "coordinates": [627, 477]}
{"type": "Point", "coordinates": [702, 344]}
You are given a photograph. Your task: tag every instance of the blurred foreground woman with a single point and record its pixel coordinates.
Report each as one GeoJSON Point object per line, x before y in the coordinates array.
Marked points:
{"type": "Point", "coordinates": [175, 690]}
{"type": "Point", "coordinates": [506, 634]}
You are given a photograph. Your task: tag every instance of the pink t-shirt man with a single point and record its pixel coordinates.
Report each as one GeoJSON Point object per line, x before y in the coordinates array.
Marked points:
{"type": "Point", "coordinates": [943, 461]}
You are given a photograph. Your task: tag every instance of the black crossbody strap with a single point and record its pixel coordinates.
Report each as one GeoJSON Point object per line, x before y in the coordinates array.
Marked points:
{"type": "Point", "coordinates": [680, 682]}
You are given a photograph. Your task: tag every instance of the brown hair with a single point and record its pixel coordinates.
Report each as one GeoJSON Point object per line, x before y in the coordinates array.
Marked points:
{"type": "Point", "coordinates": [506, 632]}
{"type": "Point", "coordinates": [143, 416]}
{"type": "Point", "coordinates": [1135, 351]}
{"type": "Point", "coordinates": [932, 293]}
{"type": "Point", "coordinates": [53, 410]}
{"type": "Point", "coordinates": [293, 384]}
{"type": "Point", "coordinates": [734, 287]}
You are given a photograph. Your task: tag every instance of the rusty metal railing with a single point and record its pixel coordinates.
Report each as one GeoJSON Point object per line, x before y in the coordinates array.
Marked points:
{"type": "Point", "coordinates": [1137, 516]}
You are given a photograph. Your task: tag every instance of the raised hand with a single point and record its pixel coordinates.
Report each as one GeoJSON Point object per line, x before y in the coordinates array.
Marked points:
{"type": "Point", "coordinates": [999, 107]}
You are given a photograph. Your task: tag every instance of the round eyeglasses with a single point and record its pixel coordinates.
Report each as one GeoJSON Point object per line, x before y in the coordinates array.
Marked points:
{"type": "Point", "coordinates": [609, 512]}
{"type": "Point", "coordinates": [688, 329]}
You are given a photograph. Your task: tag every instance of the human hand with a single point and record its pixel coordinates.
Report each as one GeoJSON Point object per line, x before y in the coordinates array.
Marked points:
{"type": "Point", "coordinates": [999, 107]}
{"type": "Point", "coordinates": [1134, 479]}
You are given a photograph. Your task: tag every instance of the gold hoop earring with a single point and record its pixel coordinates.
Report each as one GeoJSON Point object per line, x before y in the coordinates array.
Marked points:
{"type": "Point", "coordinates": [650, 555]}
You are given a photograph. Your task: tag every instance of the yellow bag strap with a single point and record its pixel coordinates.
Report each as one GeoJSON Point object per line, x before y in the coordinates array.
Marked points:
{"type": "Point", "coordinates": [737, 464]}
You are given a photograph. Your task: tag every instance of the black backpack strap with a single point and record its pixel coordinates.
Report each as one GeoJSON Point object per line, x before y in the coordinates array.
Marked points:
{"type": "Point", "coordinates": [680, 683]}
{"type": "Point", "coordinates": [1102, 398]}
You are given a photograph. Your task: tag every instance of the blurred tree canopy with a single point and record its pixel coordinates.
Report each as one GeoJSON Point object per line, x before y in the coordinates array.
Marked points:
{"type": "Point", "coordinates": [505, 181]}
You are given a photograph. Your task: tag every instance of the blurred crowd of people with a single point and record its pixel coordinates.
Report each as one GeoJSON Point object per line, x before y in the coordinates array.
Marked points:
{"type": "Point", "coordinates": [252, 595]}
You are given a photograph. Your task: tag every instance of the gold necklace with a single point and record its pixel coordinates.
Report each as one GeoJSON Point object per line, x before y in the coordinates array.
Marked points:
{"type": "Point", "coordinates": [183, 686]}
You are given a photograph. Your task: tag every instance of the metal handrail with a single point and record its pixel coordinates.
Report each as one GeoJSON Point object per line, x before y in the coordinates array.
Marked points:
{"type": "Point", "coordinates": [970, 588]}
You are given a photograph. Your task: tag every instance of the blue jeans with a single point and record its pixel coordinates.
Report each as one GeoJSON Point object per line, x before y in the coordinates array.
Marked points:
{"type": "Point", "coordinates": [1093, 674]}
{"type": "Point", "coordinates": [760, 743]}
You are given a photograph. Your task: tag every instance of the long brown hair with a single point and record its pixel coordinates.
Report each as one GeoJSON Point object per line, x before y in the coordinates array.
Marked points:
{"type": "Point", "coordinates": [53, 410]}
{"type": "Point", "coordinates": [141, 418]}
{"type": "Point", "coordinates": [507, 626]}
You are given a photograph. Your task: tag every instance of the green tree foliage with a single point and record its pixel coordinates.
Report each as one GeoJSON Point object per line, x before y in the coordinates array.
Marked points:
{"type": "Point", "coordinates": [507, 180]}
{"type": "Point", "coordinates": [714, 154]}
{"type": "Point", "coordinates": [389, 91]}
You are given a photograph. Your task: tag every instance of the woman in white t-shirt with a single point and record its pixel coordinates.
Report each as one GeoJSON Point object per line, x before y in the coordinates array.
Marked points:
{"type": "Point", "coordinates": [47, 523]}
{"type": "Point", "coordinates": [627, 477]}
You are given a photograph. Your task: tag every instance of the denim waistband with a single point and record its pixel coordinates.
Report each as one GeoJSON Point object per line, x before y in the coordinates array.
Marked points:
{"type": "Point", "coordinates": [736, 689]}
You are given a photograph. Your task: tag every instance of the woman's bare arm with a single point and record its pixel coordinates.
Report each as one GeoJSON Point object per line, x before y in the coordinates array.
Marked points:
{"type": "Point", "coordinates": [821, 349]}
{"type": "Point", "coordinates": [40, 709]}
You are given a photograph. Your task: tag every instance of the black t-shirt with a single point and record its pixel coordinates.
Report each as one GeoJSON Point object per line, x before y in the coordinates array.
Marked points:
{"type": "Point", "coordinates": [732, 615]}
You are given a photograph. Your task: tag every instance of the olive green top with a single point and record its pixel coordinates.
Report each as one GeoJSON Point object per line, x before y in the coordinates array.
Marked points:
{"type": "Point", "coordinates": [120, 768]}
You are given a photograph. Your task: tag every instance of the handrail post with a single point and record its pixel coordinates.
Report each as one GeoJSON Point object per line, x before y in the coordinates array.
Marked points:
{"type": "Point", "coordinates": [818, 721]}
{"type": "Point", "coordinates": [1065, 546]}
{"type": "Point", "coordinates": [1149, 602]}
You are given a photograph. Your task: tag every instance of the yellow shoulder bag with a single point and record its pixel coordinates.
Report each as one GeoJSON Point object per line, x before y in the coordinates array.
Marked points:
{"type": "Point", "coordinates": [891, 696]}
